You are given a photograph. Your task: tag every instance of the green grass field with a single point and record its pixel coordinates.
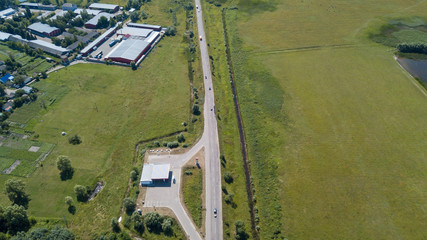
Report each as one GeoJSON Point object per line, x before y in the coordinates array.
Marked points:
{"type": "Point", "coordinates": [192, 190]}
{"type": "Point", "coordinates": [334, 126]}
{"type": "Point", "coordinates": [111, 108]}
{"type": "Point", "coordinates": [29, 64]}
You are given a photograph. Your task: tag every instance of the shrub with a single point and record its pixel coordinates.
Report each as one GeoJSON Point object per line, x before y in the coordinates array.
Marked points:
{"type": "Point", "coordinates": [156, 144]}
{"type": "Point", "coordinates": [75, 140]}
{"type": "Point", "coordinates": [228, 177]}
{"type": "Point", "coordinates": [129, 205]}
{"type": "Point", "coordinates": [115, 225]}
{"type": "Point", "coordinates": [180, 138]}
{"type": "Point", "coordinates": [229, 198]}
{"type": "Point", "coordinates": [173, 144]}
{"type": "Point", "coordinates": [196, 109]}
{"type": "Point", "coordinates": [81, 193]}
{"type": "Point", "coordinates": [134, 175]}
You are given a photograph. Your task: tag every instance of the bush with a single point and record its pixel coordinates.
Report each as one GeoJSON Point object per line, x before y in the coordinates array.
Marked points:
{"type": "Point", "coordinates": [115, 225]}
{"type": "Point", "coordinates": [75, 140]}
{"type": "Point", "coordinates": [156, 144]}
{"type": "Point", "coordinates": [229, 198]}
{"type": "Point", "coordinates": [188, 172]}
{"type": "Point", "coordinates": [134, 175]}
{"type": "Point", "coordinates": [81, 193]}
{"type": "Point", "coordinates": [228, 177]}
{"type": "Point", "coordinates": [173, 144]}
{"type": "Point", "coordinates": [129, 205]}
{"type": "Point", "coordinates": [153, 221]}
{"type": "Point", "coordinates": [180, 138]}
{"type": "Point", "coordinates": [196, 109]}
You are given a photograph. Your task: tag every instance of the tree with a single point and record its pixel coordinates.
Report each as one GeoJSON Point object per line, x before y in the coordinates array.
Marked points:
{"type": "Point", "coordinates": [133, 65]}
{"type": "Point", "coordinates": [2, 92]}
{"type": "Point", "coordinates": [129, 205]}
{"type": "Point", "coordinates": [3, 221]}
{"type": "Point", "coordinates": [170, 31]}
{"type": "Point", "coordinates": [4, 127]}
{"type": "Point", "coordinates": [75, 139]}
{"type": "Point", "coordinates": [167, 226]}
{"type": "Point", "coordinates": [133, 175]}
{"type": "Point", "coordinates": [38, 233]}
{"type": "Point", "coordinates": [228, 177]}
{"type": "Point", "coordinates": [69, 200]}
{"type": "Point", "coordinates": [81, 193]}
{"type": "Point", "coordinates": [17, 219]}
{"type": "Point", "coordinates": [19, 80]}
{"type": "Point", "coordinates": [63, 164]}
{"type": "Point", "coordinates": [19, 93]}
{"type": "Point", "coordinates": [102, 22]}
{"type": "Point", "coordinates": [15, 190]}
{"type": "Point", "coordinates": [143, 15]}
{"type": "Point", "coordinates": [240, 230]}
{"type": "Point", "coordinates": [115, 225]}
{"type": "Point", "coordinates": [134, 17]}
{"type": "Point", "coordinates": [44, 75]}
{"type": "Point", "coordinates": [196, 110]}
{"type": "Point", "coordinates": [153, 221]}
{"type": "Point", "coordinates": [181, 138]}
{"type": "Point", "coordinates": [60, 233]}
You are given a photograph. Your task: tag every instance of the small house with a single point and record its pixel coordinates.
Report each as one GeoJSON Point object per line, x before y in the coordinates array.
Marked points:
{"type": "Point", "coordinates": [6, 78]}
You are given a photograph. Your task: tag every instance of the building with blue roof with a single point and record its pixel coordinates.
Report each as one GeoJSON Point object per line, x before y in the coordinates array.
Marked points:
{"type": "Point", "coordinates": [6, 78]}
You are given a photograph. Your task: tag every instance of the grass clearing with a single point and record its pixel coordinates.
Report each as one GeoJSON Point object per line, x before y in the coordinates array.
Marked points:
{"type": "Point", "coordinates": [192, 185]}
{"type": "Point", "coordinates": [335, 135]}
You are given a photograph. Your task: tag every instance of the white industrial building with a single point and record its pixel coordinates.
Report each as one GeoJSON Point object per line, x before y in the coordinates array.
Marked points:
{"type": "Point", "coordinates": [137, 32]}
{"type": "Point", "coordinates": [154, 172]}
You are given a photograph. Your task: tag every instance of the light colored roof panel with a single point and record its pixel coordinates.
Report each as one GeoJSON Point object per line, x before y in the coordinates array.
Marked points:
{"type": "Point", "coordinates": [95, 19]}
{"type": "Point", "coordinates": [103, 6]}
{"type": "Point", "coordinates": [7, 11]}
{"type": "Point", "coordinates": [128, 49]}
{"type": "Point", "coordinates": [48, 47]}
{"type": "Point", "coordinates": [141, 32]}
{"type": "Point", "coordinates": [42, 28]}
{"type": "Point", "coordinates": [152, 36]}
{"type": "Point", "coordinates": [141, 25]}
{"type": "Point", "coordinates": [147, 170]}
{"type": "Point", "coordinates": [89, 11]}
{"type": "Point", "coordinates": [4, 36]}
{"type": "Point", "coordinates": [160, 171]}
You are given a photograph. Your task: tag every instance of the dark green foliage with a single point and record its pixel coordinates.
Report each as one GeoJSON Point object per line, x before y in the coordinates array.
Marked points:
{"type": "Point", "coordinates": [129, 205]}
{"type": "Point", "coordinates": [180, 138]}
{"type": "Point", "coordinates": [229, 198]}
{"type": "Point", "coordinates": [153, 221]}
{"type": "Point", "coordinates": [59, 233]}
{"type": "Point", "coordinates": [196, 110]}
{"type": "Point", "coordinates": [63, 164]}
{"type": "Point", "coordinates": [15, 191]}
{"type": "Point", "coordinates": [115, 225]}
{"type": "Point", "coordinates": [75, 139]}
{"type": "Point", "coordinates": [412, 48]}
{"type": "Point", "coordinates": [134, 175]}
{"type": "Point", "coordinates": [170, 31]}
{"type": "Point", "coordinates": [133, 65]}
{"type": "Point", "coordinates": [103, 22]}
{"type": "Point", "coordinates": [81, 193]}
{"type": "Point", "coordinates": [17, 219]}
{"type": "Point", "coordinates": [173, 144]}
{"type": "Point", "coordinates": [228, 177]}
{"type": "Point", "coordinates": [134, 17]}
{"type": "Point", "coordinates": [240, 230]}
{"type": "Point", "coordinates": [167, 225]}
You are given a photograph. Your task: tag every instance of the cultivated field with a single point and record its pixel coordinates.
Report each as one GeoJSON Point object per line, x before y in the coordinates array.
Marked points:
{"type": "Point", "coordinates": [335, 128]}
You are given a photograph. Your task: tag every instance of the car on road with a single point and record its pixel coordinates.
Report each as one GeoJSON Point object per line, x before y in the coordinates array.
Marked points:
{"type": "Point", "coordinates": [209, 88]}
{"type": "Point", "coordinates": [173, 179]}
{"type": "Point", "coordinates": [215, 212]}
{"type": "Point", "coordinates": [200, 38]}
{"type": "Point", "coordinates": [206, 77]}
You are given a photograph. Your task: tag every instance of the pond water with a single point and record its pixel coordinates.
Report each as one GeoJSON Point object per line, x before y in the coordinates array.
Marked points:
{"type": "Point", "coordinates": [417, 68]}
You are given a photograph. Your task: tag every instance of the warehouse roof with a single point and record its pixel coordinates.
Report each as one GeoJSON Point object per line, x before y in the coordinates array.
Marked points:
{"type": "Point", "coordinates": [42, 28]}
{"type": "Point", "coordinates": [89, 11]}
{"type": "Point", "coordinates": [152, 37]}
{"type": "Point", "coordinates": [4, 36]}
{"type": "Point", "coordinates": [7, 12]}
{"type": "Point", "coordinates": [95, 19]}
{"type": "Point", "coordinates": [128, 49]}
{"type": "Point", "coordinates": [103, 6]}
{"type": "Point", "coordinates": [48, 47]}
{"type": "Point", "coordinates": [141, 25]}
{"type": "Point", "coordinates": [140, 32]}
{"type": "Point", "coordinates": [28, 4]}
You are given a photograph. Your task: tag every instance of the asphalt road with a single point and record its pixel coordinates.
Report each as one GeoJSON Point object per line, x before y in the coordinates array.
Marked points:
{"type": "Point", "coordinates": [168, 195]}
{"type": "Point", "coordinates": [210, 141]}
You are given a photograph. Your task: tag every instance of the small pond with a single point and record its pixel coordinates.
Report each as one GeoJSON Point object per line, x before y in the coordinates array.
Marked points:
{"type": "Point", "coordinates": [417, 68]}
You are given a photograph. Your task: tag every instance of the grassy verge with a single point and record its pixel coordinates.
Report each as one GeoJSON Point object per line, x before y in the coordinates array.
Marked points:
{"type": "Point", "coordinates": [227, 124]}
{"type": "Point", "coordinates": [192, 185]}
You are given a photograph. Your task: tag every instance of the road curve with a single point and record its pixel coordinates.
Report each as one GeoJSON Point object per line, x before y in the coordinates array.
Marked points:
{"type": "Point", "coordinates": [210, 140]}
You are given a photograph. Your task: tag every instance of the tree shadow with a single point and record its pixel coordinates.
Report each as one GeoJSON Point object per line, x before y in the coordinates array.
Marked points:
{"type": "Point", "coordinates": [66, 175]}
{"type": "Point", "coordinates": [72, 209]}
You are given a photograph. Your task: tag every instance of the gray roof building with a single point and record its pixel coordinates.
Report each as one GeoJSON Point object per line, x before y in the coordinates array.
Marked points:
{"type": "Point", "coordinates": [147, 26]}
{"type": "Point", "coordinates": [43, 29]}
{"type": "Point", "coordinates": [129, 50]}
{"type": "Point", "coordinates": [94, 21]}
{"type": "Point", "coordinates": [4, 36]}
{"type": "Point", "coordinates": [7, 12]}
{"type": "Point", "coordinates": [69, 6]}
{"type": "Point", "coordinates": [48, 47]}
{"type": "Point", "coordinates": [139, 32]}
{"type": "Point", "coordinates": [89, 11]}
{"type": "Point", "coordinates": [17, 38]}
{"type": "Point", "coordinates": [105, 7]}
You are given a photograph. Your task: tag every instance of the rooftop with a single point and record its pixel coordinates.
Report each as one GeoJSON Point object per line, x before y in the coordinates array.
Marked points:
{"type": "Point", "coordinates": [89, 11]}
{"type": "Point", "coordinates": [128, 49]}
{"type": "Point", "coordinates": [140, 32]}
{"type": "Point", "coordinates": [100, 38]}
{"type": "Point", "coordinates": [48, 47]}
{"type": "Point", "coordinates": [4, 36]}
{"type": "Point", "coordinates": [42, 28]}
{"type": "Point", "coordinates": [141, 25]}
{"type": "Point", "coordinates": [95, 19]}
{"type": "Point", "coordinates": [7, 12]}
{"type": "Point", "coordinates": [103, 6]}
{"type": "Point", "coordinates": [155, 172]}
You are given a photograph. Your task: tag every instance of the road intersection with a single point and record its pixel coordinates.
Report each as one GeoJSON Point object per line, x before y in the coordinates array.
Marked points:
{"type": "Point", "coordinates": [168, 196]}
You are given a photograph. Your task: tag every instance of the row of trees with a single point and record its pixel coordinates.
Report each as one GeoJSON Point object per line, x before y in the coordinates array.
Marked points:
{"type": "Point", "coordinates": [153, 221]}
{"type": "Point", "coordinates": [412, 48]}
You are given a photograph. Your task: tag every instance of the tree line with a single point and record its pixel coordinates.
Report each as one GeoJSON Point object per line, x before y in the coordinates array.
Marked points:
{"type": "Point", "coordinates": [412, 48]}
